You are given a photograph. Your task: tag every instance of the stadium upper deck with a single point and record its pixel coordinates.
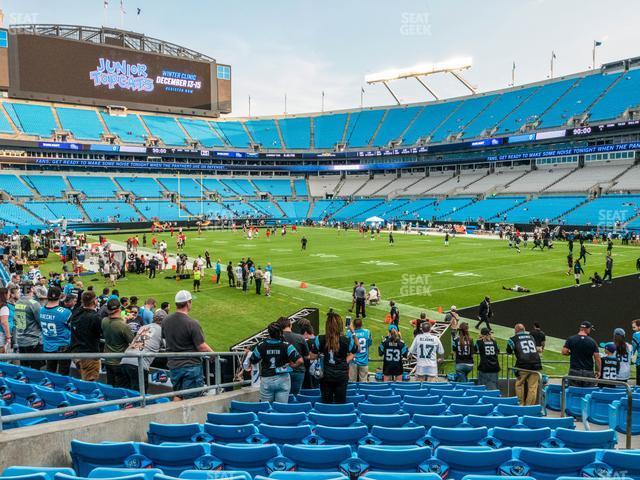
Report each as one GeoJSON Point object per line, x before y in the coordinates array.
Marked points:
{"type": "Point", "coordinates": [584, 99]}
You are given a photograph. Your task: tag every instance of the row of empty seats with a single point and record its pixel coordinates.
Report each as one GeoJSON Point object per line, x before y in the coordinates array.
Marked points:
{"type": "Point", "coordinates": [594, 96]}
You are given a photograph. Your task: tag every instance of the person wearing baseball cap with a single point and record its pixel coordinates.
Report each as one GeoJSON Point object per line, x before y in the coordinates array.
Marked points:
{"type": "Point", "coordinates": [489, 367]}
{"type": "Point", "coordinates": [610, 363]}
{"type": "Point", "coordinates": [184, 334]}
{"type": "Point", "coordinates": [117, 337]}
{"type": "Point", "coordinates": [584, 356]}
{"type": "Point", "coordinates": [623, 353]}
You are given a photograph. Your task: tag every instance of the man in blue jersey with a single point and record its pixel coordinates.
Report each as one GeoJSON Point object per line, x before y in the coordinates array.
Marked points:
{"type": "Point", "coordinates": [359, 367]}
{"type": "Point", "coordinates": [56, 335]}
{"type": "Point", "coordinates": [635, 341]}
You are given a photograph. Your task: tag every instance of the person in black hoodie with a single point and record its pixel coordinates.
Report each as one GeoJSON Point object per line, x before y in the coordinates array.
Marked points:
{"type": "Point", "coordinates": [489, 366]}
{"type": "Point", "coordinates": [86, 330]}
{"type": "Point", "coordinates": [337, 350]}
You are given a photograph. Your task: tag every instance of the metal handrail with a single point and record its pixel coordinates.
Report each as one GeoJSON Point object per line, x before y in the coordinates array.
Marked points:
{"type": "Point", "coordinates": [143, 397]}
{"type": "Point", "coordinates": [563, 398]}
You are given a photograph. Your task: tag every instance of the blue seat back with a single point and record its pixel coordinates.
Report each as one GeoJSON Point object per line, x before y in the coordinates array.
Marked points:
{"type": "Point", "coordinates": [520, 437]}
{"type": "Point", "coordinates": [394, 421]}
{"type": "Point", "coordinates": [471, 400]}
{"type": "Point", "coordinates": [87, 456]}
{"type": "Point", "coordinates": [291, 407]}
{"type": "Point", "coordinates": [376, 399]}
{"type": "Point", "coordinates": [499, 400]}
{"type": "Point", "coordinates": [241, 418]}
{"type": "Point", "coordinates": [101, 473]}
{"type": "Point", "coordinates": [317, 457]}
{"type": "Point", "coordinates": [49, 472]}
{"type": "Point", "coordinates": [160, 432]}
{"type": "Point", "coordinates": [282, 419]}
{"type": "Point", "coordinates": [281, 435]}
{"type": "Point", "coordinates": [491, 421]}
{"type": "Point", "coordinates": [462, 461]}
{"type": "Point", "coordinates": [551, 422]}
{"type": "Point", "coordinates": [333, 408]}
{"type": "Point", "coordinates": [428, 421]}
{"type": "Point", "coordinates": [586, 440]}
{"type": "Point", "coordinates": [398, 436]}
{"type": "Point", "coordinates": [249, 458]}
{"type": "Point", "coordinates": [458, 436]}
{"type": "Point", "coordinates": [548, 464]}
{"type": "Point", "coordinates": [379, 409]}
{"type": "Point", "coordinates": [173, 459]}
{"type": "Point", "coordinates": [214, 475]}
{"type": "Point", "coordinates": [333, 420]}
{"type": "Point", "coordinates": [421, 400]}
{"type": "Point", "coordinates": [342, 435]}
{"type": "Point", "coordinates": [393, 459]}
{"type": "Point", "coordinates": [413, 409]}
{"type": "Point", "coordinates": [230, 433]}
{"type": "Point", "coordinates": [238, 406]}
{"type": "Point", "coordinates": [519, 410]}
{"type": "Point", "coordinates": [456, 408]}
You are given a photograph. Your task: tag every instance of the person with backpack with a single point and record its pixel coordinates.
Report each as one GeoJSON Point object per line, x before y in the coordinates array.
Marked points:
{"type": "Point", "coordinates": [489, 367]}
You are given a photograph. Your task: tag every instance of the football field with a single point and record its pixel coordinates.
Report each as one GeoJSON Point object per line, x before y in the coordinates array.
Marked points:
{"type": "Point", "coordinates": [420, 273]}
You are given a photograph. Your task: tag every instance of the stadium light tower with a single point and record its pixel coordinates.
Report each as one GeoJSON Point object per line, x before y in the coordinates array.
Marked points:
{"type": "Point", "coordinates": [453, 66]}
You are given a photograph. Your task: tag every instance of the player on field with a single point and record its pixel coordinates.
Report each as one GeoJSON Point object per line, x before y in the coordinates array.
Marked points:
{"type": "Point", "coordinates": [583, 253]}
{"type": "Point", "coordinates": [391, 241]}
{"type": "Point", "coordinates": [392, 350]}
{"type": "Point", "coordinates": [577, 272]}
{"type": "Point", "coordinates": [429, 352]}
{"type": "Point", "coordinates": [446, 239]}
{"type": "Point", "coordinates": [570, 263]}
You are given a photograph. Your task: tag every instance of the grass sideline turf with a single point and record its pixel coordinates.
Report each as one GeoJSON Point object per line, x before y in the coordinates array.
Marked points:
{"type": "Point", "coordinates": [418, 272]}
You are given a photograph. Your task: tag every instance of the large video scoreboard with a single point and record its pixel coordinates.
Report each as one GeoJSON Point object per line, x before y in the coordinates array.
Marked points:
{"type": "Point", "coordinates": [52, 68]}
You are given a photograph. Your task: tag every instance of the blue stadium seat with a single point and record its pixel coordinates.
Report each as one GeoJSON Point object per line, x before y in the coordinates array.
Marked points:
{"type": "Point", "coordinates": [551, 422]}
{"type": "Point", "coordinates": [448, 392]}
{"type": "Point", "coordinates": [214, 475]}
{"type": "Point", "coordinates": [291, 407]}
{"type": "Point", "coordinates": [519, 410]}
{"type": "Point", "coordinates": [595, 406]}
{"type": "Point", "coordinates": [230, 433]}
{"type": "Point", "coordinates": [621, 463]}
{"type": "Point", "coordinates": [517, 437]}
{"type": "Point", "coordinates": [432, 409]}
{"type": "Point", "coordinates": [574, 396]}
{"type": "Point", "coordinates": [280, 435]}
{"type": "Point", "coordinates": [49, 472]}
{"type": "Point", "coordinates": [618, 416]}
{"type": "Point", "coordinates": [242, 418]}
{"type": "Point", "coordinates": [396, 459]}
{"type": "Point", "coordinates": [583, 440]}
{"type": "Point", "coordinates": [63, 476]}
{"type": "Point", "coordinates": [175, 459]}
{"type": "Point", "coordinates": [421, 400]}
{"type": "Point", "coordinates": [87, 456]}
{"type": "Point", "coordinates": [491, 421]}
{"type": "Point", "coordinates": [282, 419]}
{"type": "Point", "coordinates": [102, 473]}
{"type": "Point", "coordinates": [448, 400]}
{"type": "Point", "coordinates": [374, 409]}
{"type": "Point", "coordinates": [446, 436]}
{"type": "Point", "coordinates": [438, 420]}
{"type": "Point", "coordinates": [548, 464]}
{"type": "Point", "coordinates": [310, 391]}
{"type": "Point", "coordinates": [318, 458]}
{"type": "Point", "coordinates": [397, 436]}
{"type": "Point", "coordinates": [499, 400]}
{"type": "Point", "coordinates": [400, 476]}
{"type": "Point", "coordinates": [413, 392]}
{"type": "Point", "coordinates": [454, 463]}
{"type": "Point", "coordinates": [334, 408]}
{"type": "Point", "coordinates": [480, 409]}
{"type": "Point", "coordinates": [355, 398]}
{"type": "Point", "coordinates": [303, 476]}
{"type": "Point", "coordinates": [30, 476]}
{"type": "Point", "coordinates": [250, 458]}
{"type": "Point", "coordinates": [184, 432]}
{"type": "Point", "coordinates": [255, 407]}
{"type": "Point", "coordinates": [552, 393]}
{"type": "Point", "coordinates": [377, 399]}
{"type": "Point", "coordinates": [312, 399]}
{"type": "Point", "coordinates": [24, 393]}
{"type": "Point", "coordinates": [333, 420]}
{"type": "Point", "coordinates": [391, 421]}
{"type": "Point", "coordinates": [340, 435]}
{"type": "Point", "coordinates": [15, 409]}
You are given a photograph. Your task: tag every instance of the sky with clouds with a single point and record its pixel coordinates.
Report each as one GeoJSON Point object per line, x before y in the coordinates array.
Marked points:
{"type": "Point", "coordinates": [303, 47]}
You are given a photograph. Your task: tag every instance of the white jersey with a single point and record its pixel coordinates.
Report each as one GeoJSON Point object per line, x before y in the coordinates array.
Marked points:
{"type": "Point", "coordinates": [624, 372]}
{"type": "Point", "coordinates": [426, 348]}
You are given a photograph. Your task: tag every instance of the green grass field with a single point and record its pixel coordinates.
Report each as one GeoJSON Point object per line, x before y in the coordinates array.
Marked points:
{"type": "Point", "coordinates": [418, 272]}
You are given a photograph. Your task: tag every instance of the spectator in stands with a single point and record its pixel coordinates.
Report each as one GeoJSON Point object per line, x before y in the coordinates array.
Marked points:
{"type": "Point", "coordinates": [489, 367]}
{"type": "Point", "coordinates": [300, 344]}
{"type": "Point", "coordinates": [147, 310]}
{"type": "Point", "coordinates": [86, 330]}
{"type": "Point", "coordinates": [359, 367]}
{"type": "Point", "coordinates": [41, 291]}
{"type": "Point", "coordinates": [393, 351]}
{"type": "Point", "coordinates": [583, 354]}
{"type": "Point", "coordinates": [165, 307]}
{"type": "Point", "coordinates": [56, 335]}
{"type": "Point", "coordinates": [14, 296]}
{"type": "Point", "coordinates": [337, 350]}
{"type": "Point", "coordinates": [277, 358]}
{"type": "Point", "coordinates": [463, 351]}
{"type": "Point", "coordinates": [429, 352]}
{"type": "Point", "coordinates": [117, 337]}
{"type": "Point", "coordinates": [28, 328]}
{"type": "Point", "coordinates": [623, 353]}
{"type": "Point", "coordinates": [184, 334]}
{"type": "Point", "coordinates": [539, 337]}
{"type": "Point", "coordinates": [5, 331]}
{"type": "Point", "coordinates": [306, 330]}
{"type": "Point", "coordinates": [453, 319]}
{"type": "Point", "coordinates": [147, 340]}
{"type": "Point", "coordinates": [528, 363]}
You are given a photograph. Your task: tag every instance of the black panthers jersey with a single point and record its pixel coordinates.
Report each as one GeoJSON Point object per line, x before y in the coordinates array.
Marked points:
{"type": "Point", "coordinates": [610, 367]}
{"type": "Point", "coordinates": [392, 353]}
